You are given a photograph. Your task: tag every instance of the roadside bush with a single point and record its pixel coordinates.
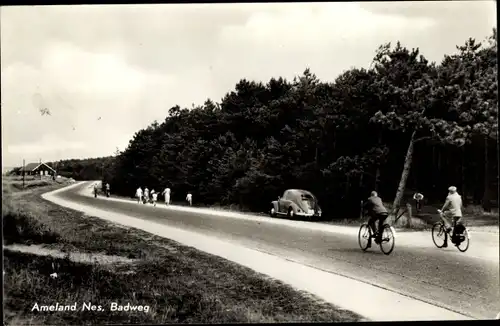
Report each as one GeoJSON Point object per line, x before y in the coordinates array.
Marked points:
{"type": "Point", "coordinates": [18, 185]}
{"type": "Point", "coordinates": [21, 227]}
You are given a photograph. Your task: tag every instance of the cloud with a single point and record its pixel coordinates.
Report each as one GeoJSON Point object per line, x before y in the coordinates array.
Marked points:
{"type": "Point", "coordinates": [335, 21]}
{"type": "Point", "coordinates": [48, 143]}
{"type": "Point", "coordinates": [88, 94]}
{"type": "Point", "coordinates": [444, 12]}
{"type": "Point", "coordinates": [330, 40]}
{"type": "Point", "coordinates": [90, 73]}
{"type": "Point", "coordinates": [128, 64]}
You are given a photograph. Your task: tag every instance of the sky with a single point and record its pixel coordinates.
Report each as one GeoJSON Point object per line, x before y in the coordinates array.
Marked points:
{"type": "Point", "coordinates": [106, 71]}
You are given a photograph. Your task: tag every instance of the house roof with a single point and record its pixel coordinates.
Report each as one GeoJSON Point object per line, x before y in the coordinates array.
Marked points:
{"type": "Point", "coordinates": [30, 166]}
{"type": "Point", "coordinates": [34, 166]}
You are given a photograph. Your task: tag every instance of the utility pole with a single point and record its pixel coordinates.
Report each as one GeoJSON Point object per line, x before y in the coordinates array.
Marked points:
{"type": "Point", "coordinates": [56, 165]}
{"type": "Point", "coordinates": [23, 173]}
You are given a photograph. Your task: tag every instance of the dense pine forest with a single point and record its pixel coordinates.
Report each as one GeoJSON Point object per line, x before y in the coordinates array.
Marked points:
{"type": "Point", "coordinates": [402, 125]}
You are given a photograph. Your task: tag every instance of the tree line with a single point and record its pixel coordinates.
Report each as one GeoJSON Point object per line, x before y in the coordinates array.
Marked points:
{"type": "Point", "coordinates": [403, 124]}
{"type": "Point", "coordinates": [83, 169]}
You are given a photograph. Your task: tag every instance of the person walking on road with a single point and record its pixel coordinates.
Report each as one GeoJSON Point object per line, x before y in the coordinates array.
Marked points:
{"type": "Point", "coordinates": [418, 197]}
{"type": "Point", "coordinates": [108, 191]}
{"type": "Point", "coordinates": [166, 193]}
{"type": "Point", "coordinates": [138, 194]}
{"type": "Point", "coordinates": [154, 197]}
{"type": "Point", "coordinates": [146, 195]}
{"type": "Point", "coordinates": [452, 209]}
{"type": "Point", "coordinates": [151, 196]}
{"type": "Point", "coordinates": [95, 190]}
{"type": "Point", "coordinates": [189, 199]}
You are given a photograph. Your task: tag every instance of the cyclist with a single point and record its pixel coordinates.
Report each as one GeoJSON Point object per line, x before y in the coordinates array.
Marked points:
{"type": "Point", "coordinates": [452, 208]}
{"type": "Point", "coordinates": [377, 211]}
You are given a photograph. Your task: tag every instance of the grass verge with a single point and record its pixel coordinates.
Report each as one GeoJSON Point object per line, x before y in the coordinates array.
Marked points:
{"type": "Point", "coordinates": [179, 284]}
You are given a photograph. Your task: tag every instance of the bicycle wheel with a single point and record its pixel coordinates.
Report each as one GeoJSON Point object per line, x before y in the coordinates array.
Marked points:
{"type": "Point", "coordinates": [464, 245]}
{"type": "Point", "coordinates": [364, 236]}
{"type": "Point", "coordinates": [388, 240]}
{"type": "Point", "coordinates": [438, 234]}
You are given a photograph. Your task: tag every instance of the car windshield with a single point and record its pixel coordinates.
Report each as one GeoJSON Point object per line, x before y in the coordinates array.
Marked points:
{"type": "Point", "coordinates": [308, 200]}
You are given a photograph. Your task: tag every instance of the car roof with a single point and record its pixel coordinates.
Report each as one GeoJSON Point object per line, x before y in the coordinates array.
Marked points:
{"type": "Point", "coordinates": [301, 191]}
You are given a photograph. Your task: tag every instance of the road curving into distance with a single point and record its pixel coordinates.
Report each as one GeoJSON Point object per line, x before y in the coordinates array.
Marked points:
{"type": "Point", "coordinates": [464, 283]}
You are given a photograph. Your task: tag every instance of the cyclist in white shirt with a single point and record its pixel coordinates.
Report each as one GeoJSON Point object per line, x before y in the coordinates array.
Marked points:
{"type": "Point", "coordinates": [189, 199]}
{"type": "Point", "coordinates": [452, 208]}
{"type": "Point", "coordinates": [138, 194]}
{"type": "Point", "coordinates": [166, 193]}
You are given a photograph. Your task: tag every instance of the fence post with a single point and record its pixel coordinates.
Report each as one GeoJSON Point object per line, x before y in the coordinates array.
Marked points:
{"type": "Point", "coordinates": [393, 216]}
{"type": "Point", "coordinates": [408, 220]}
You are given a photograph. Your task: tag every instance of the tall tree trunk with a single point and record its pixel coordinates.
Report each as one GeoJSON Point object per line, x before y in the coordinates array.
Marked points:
{"type": "Point", "coordinates": [377, 178]}
{"type": "Point", "coordinates": [404, 176]}
{"type": "Point", "coordinates": [347, 185]}
{"type": "Point", "coordinates": [240, 202]}
{"type": "Point", "coordinates": [334, 142]}
{"type": "Point", "coordinates": [439, 158]}
{"type": "Point", "coordinates": [462, 172]}
{"type": "Point", "coordinates": [377, 172]}
{"type": "Point", "coordinates": [486, 195]}
{"type": "Point", "coordinates": [414, 174]}
{"type": "Point", "coordinates": [434, 173]}
{"type": "Point", "coordinates": [497, 167]}
{"type": "Point", "coordinates": [440, 177]}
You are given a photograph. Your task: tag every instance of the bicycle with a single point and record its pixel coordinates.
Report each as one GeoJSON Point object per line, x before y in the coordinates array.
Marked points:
{"type": "Point", "coordinates": [366, 234]}
{"type": "Point", "coordinates": [439, 229]}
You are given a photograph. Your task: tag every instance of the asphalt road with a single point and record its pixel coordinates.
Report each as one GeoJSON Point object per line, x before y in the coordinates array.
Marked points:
{"type": "Point", "coordinates": [459, 282]}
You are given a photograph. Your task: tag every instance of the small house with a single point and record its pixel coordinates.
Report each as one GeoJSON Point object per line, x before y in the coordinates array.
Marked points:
{"type": "Point", "coordinates": [40, 169]}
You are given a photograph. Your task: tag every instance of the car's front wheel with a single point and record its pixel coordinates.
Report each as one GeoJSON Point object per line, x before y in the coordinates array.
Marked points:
{"type": "Point", "coordinates": [272, 212]}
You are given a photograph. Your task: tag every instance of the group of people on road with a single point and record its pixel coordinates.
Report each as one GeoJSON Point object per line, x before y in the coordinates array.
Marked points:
{"type": "Point", "coordinates": [96, 190]}
{"type": "Point", "coordinates": [145, 196]}
{"type": "Point", "coordinates": [452, 210]}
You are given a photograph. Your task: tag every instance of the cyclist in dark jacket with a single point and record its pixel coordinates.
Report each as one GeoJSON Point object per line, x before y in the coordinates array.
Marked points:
{"type": "Point", "coordinates": [377, 211]}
